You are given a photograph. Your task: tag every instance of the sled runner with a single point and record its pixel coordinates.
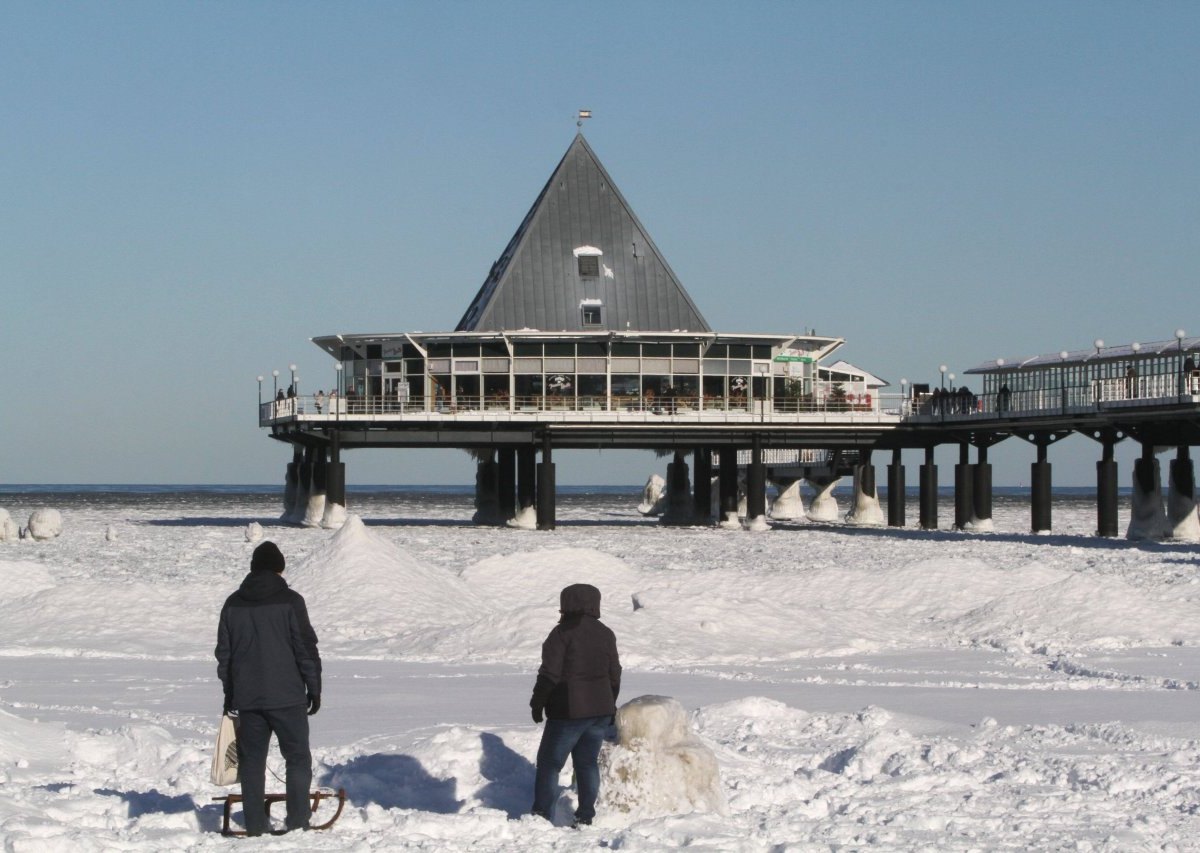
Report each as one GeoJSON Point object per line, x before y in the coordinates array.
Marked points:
{"type": "Point", "coordinates": [316, 796]}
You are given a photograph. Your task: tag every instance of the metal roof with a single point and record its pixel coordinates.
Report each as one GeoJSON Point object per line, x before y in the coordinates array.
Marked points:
{"type": "Point", "coordinates": [536, 283]}
{"type": "Point", "coordinates": [1121, 352]}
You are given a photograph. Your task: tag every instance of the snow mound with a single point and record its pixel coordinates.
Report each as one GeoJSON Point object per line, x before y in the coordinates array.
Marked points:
{"type": "Point", "coordinates": [518, 597]}
{"type": "Point", "coordinates": [254, 532]}
{"type": "Point", "coordinates": [21, 578]}
{"type": "Point", "coordinates": [658, 765]}
{"type": "Point", "coordinates": [1080, 612]}
{"type": "Point", "coordinates": [359, 586]}
{"type": "Point", "coordinates": [45, 524]}
{"type": "Point", "coordinates": [537, 577]}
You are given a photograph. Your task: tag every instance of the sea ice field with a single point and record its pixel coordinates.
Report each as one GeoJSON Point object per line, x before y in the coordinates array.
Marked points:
{"type": "Point", "coordinates": [861, 688]}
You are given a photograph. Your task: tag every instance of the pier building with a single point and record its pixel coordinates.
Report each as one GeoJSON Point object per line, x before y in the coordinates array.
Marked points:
{"type": "Point", "coordinates": [582, 337]}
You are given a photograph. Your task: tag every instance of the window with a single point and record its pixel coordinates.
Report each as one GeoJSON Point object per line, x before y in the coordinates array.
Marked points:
{"type": "Point", "coordinates": [592, 314]}
{"type": "Point", "coordinates": [589, 266]}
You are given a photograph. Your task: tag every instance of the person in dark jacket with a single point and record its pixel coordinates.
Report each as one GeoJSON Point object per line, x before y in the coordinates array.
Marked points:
{"type": "Point", "coordinates": [268, 663]}
{"type": "Point", "coordinates": [577, 687]}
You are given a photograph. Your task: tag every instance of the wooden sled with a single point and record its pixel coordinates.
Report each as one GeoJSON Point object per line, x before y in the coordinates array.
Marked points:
{"type": "Point", "coordinates": [316, 796]}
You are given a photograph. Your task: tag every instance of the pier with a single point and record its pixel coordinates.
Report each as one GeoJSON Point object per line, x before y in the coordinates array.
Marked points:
{"type": "Point", "coordinates": [582, 337]}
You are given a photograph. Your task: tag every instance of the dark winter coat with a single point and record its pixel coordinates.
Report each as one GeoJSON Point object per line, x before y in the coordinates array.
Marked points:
{"type": "Point", "coordinates": [580, 674]}
{"type": "Point", "coordinates": [266, 647]}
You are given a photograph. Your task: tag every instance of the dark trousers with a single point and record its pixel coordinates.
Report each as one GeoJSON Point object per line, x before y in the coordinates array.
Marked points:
{"type": "Point", "coordinates": [580, 739]}
{"type": "Point", "coordinates": [290, 727]}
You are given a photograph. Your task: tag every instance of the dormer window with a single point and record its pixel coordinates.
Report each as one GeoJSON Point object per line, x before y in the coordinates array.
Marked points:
{"type": "Point", "coordinates": [588, 260]}
{"type": "Point", "coordinates": [592, 312]}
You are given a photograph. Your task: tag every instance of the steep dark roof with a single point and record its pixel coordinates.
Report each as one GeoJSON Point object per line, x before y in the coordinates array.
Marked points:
{"type": "Point", "coordinates": [537, 282]}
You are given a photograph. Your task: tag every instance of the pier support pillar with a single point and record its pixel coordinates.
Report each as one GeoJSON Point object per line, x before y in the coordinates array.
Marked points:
{"type": "Point", "coordinates": [291, 483]}
{"type": "Point", "coordinates": [1039, 491]}
{"type": "Point", "coordinates": [314, 509]}
{"type": "Point", "coordinates": [526, 516]}
{"type": "Point", "coordinates": [756, 487]}
{"type": "Point", "coordinates": [702, 485]}
{"type": "Point", "coordinates": [896, 490]}
{"type": "Point", "coordinates": [865, 509]}
{"type": "Point", "coordinates": [981, 493]}
{"type": "Point", "coordinates": [487, 492]}
{"type": "Point", "coordinates": [679, 492]}
{"type": "Point", "coordinates": [1181, 498]}
{"type": "Point", "coordinates": [1106, 492]}
{"type": "Point", "coordinates": [506, 483]}
{"type": "Point", "coordinates": [1147, 519]}
{"type": "Point", "coordinates": [929, 496]}
{"type": "Point", "coordinates": [964, 502]}
{"type": "Point", "coordinates": [824, 506]}
{"type": "Point", "coordinates": [545, 486]}
{"type": "Point", "coordinates": [334, 515]}
{"type": "Point", "coordinates": [789, 503]}
{"type": "Point", "coordinates": [727, 484]}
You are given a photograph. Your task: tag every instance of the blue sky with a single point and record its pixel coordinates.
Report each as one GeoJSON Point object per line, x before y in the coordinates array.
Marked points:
{"type": "Point", "coordinates": [192, 191]}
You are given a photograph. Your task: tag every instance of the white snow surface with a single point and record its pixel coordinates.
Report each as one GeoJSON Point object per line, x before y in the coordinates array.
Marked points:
{"type": "Point", "coordinates": [858, 688]}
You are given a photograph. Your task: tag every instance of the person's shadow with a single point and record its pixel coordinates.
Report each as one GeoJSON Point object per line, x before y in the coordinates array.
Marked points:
{"type": "Point", "coordinates": [510, 777]}
{"type": "Point", "coordinates": [399, 781]}
{"type": "Point", "coordinates": [392, 782]}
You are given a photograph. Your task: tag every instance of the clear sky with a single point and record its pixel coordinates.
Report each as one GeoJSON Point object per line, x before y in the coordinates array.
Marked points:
{"type": "Point", "coordinates": [191, 191]}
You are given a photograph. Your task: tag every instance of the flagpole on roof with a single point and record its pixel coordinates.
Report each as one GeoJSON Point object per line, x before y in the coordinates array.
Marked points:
{"type": "Point", "coordinates": [583, 114]}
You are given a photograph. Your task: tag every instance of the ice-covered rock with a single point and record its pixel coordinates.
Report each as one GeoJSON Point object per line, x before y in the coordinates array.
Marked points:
{"type": "Point", "coordinates": [110, 533]}
{"type": "Point", "coordinates": [45, 524]}
{"type": "Point", "coordinates": [9, 532]}
{"type": "Point", "coordinates": [658, 765]}
{"type": "Point", "coordinates": [254, 532]}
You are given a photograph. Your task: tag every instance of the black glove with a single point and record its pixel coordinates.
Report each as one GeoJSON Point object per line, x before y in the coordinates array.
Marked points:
{"type": "Point", "coordinates": [228, 705]}
{"type": "Point", "coordinates": [536, 707]}
{"type": "Point", "coordinates": [314, 703]}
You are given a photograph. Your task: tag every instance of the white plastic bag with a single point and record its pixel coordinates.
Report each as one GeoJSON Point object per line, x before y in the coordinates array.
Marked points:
{"type": "Point", "coordinates": [225, 756]}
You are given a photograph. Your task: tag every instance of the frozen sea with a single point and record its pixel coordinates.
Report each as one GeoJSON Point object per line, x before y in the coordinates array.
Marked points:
{"type": "Point", "coordinates": [860, 687]}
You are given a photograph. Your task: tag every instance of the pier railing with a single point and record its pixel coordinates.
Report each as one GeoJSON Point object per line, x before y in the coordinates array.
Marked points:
{"type": "Point", "coordinates": [1117, 392]}
{"type": "Point", "coordinates": [476, 406]}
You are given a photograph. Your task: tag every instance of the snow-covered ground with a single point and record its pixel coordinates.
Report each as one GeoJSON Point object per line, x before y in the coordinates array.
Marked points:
{"type": "Point", "coordinates": [859, 687]}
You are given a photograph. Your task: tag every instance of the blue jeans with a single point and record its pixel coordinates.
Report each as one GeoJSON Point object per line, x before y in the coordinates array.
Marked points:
{"type": "Point", "coordinates": [580, 739]}
{"type": "Point", "coordinates": [290, 726]}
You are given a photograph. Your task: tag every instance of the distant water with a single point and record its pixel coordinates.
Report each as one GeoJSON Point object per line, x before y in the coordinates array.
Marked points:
{"type": "Point", "coordinates": [418, 501]}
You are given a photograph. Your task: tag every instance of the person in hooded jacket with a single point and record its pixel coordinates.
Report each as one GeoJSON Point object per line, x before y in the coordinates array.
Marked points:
{"type": "Point", "coordinates": [269, 666]}
{"type": "Point", "coordinates": [576, 690]}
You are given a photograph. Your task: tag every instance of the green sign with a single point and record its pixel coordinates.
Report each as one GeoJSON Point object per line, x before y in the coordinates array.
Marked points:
{"type": "Point", "coordinates": [801, 358]}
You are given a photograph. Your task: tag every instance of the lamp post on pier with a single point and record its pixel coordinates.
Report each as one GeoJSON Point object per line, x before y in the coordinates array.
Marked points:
{"type": "Point", "coordinates": [292, 368]}
{"type": "Point", "coordinates": [1062, 380]}
{"type": "Point", "coordinates": [275, 381]}
{"type": "Point", "coordinates": [1179, 336]}
{"type": "Point", "coordinates": [260, 381]}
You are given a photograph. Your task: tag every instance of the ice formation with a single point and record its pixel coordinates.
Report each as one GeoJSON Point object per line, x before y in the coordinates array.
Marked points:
{"type": "Point", "coordinates": [788, 504]}
{"type": "Point", "coordinates": [8, 528]}
{"type": "Point", "coordinates": [658, 765]}
{"type": "Point", "coordinates": [45, 524]}
{"type": "Point", "coordinates": [824, 505]}
{"type": "Point", "coordinates": [254, 532]}
{"type": "Point", "coordinates": [653, 496]}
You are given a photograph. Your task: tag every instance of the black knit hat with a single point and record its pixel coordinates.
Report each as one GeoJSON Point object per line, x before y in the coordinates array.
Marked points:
{"type": "Point", "coordinates": [267, 556]}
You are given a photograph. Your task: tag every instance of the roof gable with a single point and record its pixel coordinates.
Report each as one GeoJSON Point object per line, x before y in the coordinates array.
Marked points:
{"type": "Point", "coordinates": [581, 246]}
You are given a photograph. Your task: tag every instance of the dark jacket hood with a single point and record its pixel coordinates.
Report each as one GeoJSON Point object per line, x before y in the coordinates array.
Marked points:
{"type": "Point", "coordinates": [580, 598]}
{"type": "Point", "coordinates": [260, 584]}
